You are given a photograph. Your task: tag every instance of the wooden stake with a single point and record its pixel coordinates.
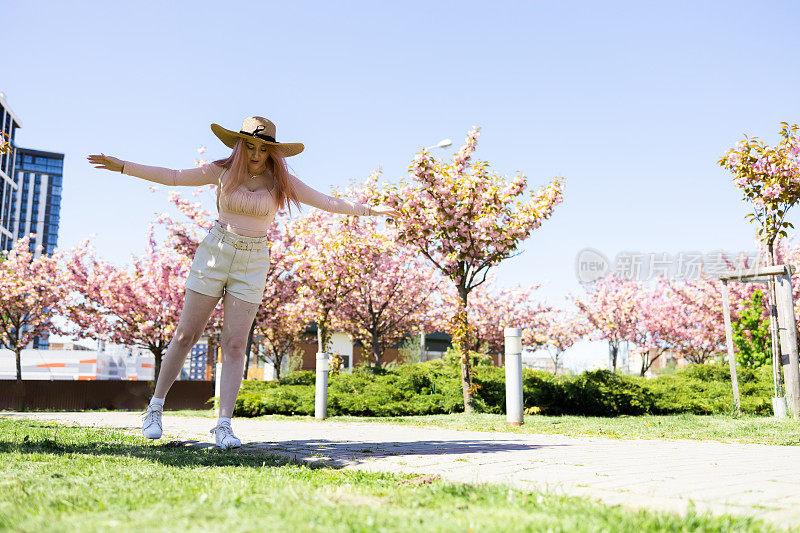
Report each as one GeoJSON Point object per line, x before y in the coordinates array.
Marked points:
{"type": "Point", "coordinates": [729, 342]}
{"type": "Point", "coordinates": [788, 333]}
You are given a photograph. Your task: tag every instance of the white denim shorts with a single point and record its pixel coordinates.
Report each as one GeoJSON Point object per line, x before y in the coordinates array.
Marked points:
{"type": "Point", "coordinates": [229, 263]}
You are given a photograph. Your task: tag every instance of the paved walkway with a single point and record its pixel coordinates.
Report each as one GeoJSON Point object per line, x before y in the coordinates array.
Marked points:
{"type": "Point", "coordinates": [744, 479]}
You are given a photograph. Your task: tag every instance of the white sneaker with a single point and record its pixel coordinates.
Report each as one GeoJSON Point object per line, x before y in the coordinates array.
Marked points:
{"type": "Point", "coordinates": [224, 436]}
{"type": "Point", "coordinates": [151, 426]}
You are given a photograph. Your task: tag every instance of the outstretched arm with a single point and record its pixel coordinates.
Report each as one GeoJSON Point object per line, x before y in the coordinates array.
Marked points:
{"type": "Point", "coordinates": [205, 175]}
{"type": "Point", "coordinates": [314, 198]}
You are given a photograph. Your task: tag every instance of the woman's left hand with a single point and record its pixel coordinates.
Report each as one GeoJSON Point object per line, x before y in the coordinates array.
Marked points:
{"type": "Point", "coordinates": [385, 210]}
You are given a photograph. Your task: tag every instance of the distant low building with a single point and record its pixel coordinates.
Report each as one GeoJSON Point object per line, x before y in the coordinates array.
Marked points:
{"type": "Point", "coordinates": [68, 345]}
{"type": "Point", "coordinates": [541, 360]}
{"type": "Point", "coordinates": [633, 362]}
{"type": "Point", "coordinates": [86, 365]}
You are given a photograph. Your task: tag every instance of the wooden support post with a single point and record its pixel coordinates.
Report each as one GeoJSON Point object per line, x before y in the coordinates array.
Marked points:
{"type": "Point", "coordinates": [788, 334]}
{"type": "Point", "coordinates": [729, 342]}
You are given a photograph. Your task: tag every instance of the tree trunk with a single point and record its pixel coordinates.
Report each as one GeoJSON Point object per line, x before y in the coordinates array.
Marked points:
{"type": "Point", "coordinates": [555, 362]}
{"type": "Point", "coordinates": [249, 347]}
{"type": "Point", "coordinates": [376, 350]}
{"type": "Point", "coordinates": [647, 362]}
{"type": "Point", "coordinates": [613, 351]}
{"type": "Point", "coordinates": [157, 354]}
{"type": "Point", "coordinates": [18, 353]}
{"type": "Point", "coordinates": [278, 359]}
{"type": "Point", "coordinates": [773, 327]}
{"type": "Point", "coordinates": [460, 340]}
{"type": "Point", "coordinates": [323, 334]}
{"type": "Point", "coordinates": [211, 358]}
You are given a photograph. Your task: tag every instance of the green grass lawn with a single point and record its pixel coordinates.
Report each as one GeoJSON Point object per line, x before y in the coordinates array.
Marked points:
{"type": "Point", "coordinates": [60, 478]}
{"type": "Point", "coordinates": [761, 430]}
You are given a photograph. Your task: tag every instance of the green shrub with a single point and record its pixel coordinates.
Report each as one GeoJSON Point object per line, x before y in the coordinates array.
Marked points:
{"type": "Point", "coordinates": [434, 387]}
{"type": "Point", "coordinates": [604, 393]}
{"type": "Point", "coordinates": [750, 334]}
{"type": "Point", "coordinates": [706, 389]}
{"type": "Point", "coordinates": [299, 377]}
{"type": "Point", "coordinates": [284, 399]}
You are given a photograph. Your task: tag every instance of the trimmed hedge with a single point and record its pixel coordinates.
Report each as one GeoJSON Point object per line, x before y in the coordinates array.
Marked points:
{"type": "Point", "coordinates": [706, 390]}
{"type": "Point", "coordinates": [434, 388]}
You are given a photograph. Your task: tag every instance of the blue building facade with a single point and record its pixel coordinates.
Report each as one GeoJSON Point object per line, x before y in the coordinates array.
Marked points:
{"type": "Point", "coordinates": [9, 123]}
{"type": "Point", "coordinates": [194, 368]}
{"type": "Point", "coordinates": [36, 206]}
{"type": "Point", "coordinates": [30, 195]}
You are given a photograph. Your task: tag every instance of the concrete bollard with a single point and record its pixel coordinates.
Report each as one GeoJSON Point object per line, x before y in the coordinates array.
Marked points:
{"type": "Point", "coordinates": [321, 389]}
{"type": "Point", "coordinates": [217, 384]}
{"type": "Point", "coordinates": [513, 376]}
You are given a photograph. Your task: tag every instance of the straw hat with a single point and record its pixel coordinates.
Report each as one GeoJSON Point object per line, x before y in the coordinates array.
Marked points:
{"type": "Point", "coordinates": [256, 128]}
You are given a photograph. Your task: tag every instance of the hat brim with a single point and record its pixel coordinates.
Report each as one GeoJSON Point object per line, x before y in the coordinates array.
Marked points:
{"type": "Point", "coordinates": [229, 139]}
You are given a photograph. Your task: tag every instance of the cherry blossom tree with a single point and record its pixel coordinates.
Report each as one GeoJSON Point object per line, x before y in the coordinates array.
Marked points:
{"type": "Point", "coordinates": [281, 330]}
{"type": "Point", "coordinates": [32, 292]}
{"type": "Point", "coordinates": [769, 178]}
{"type": "Point", "coordinates": [282, 317]}
{"type": "Point", "coordinates": [611, 310]}
{"type": "Point", "coordinates": [562, 330]}
{"type": "Point", "coordinates": [660, 324]}
{"type": "Point", "coordinates": [701, 333]}
{"type": "Point", "coordinates": [322, 259]}
{"type": "Point", "coordinates": [465, 219]}
{"type": "Point", "coordinates": [394, 293]}
{"type": "Point", "coordinates": [492, 309]}
{"type": "Point", "coordinates": [140, 305]}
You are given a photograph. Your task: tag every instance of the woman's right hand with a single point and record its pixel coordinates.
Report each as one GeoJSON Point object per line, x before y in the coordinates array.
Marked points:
{"type": "Point", "coordinates": [106, 162]}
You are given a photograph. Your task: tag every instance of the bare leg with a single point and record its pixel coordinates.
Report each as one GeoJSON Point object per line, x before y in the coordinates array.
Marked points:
{"type": "Point", "coordinates": [235, 328]}
{"type": "Point", "coordinates": [197, 309]}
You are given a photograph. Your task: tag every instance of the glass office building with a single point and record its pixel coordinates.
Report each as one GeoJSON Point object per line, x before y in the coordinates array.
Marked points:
{"type": "Point", "coordinates": [36, 206]}
{"type": "Point", "coordinates": [30, 195]}
{"type": "Point", "coordinates": [9, 123]}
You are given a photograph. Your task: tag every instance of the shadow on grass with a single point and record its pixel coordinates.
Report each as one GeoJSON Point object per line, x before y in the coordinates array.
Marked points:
{"type": "Point", "coordinates": [311, 453]}
{"type": "Point", "coordinates": [170, 453]}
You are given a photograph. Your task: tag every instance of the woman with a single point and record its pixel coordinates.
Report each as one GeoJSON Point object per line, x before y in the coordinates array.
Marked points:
{"type": "Point", "coordinates": [233, 259]}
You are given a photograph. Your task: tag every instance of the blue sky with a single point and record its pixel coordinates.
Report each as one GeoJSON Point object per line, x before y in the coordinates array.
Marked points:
{"type": "Point", "coordinates": [632, 102]}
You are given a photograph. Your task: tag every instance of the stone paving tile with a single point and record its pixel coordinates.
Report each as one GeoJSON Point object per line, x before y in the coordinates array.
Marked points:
{"type": "Point", "coordinates": [747, 479]}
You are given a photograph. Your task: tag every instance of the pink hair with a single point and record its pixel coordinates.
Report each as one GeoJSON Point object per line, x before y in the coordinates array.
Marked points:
{"type": "Point", "coordinates": [276, 165]}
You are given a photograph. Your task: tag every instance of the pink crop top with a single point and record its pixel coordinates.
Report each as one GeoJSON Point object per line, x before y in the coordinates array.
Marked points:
{"type": "Point", "coordinates": [244, 212]}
